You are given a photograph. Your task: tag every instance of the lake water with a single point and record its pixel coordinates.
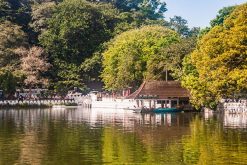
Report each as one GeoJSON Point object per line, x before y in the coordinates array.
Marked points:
{"type": "Point", "coordinates": [105, 136]}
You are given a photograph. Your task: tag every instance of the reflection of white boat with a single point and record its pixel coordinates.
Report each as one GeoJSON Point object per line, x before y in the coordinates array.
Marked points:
{"type": "Point", "coordinates": [70, 107]}
{"type": "Point", "coordinates": [62, 107]}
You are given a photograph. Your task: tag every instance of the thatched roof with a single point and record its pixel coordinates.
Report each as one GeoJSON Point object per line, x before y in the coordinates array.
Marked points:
{"type": "Point", "coordinates": [159, 90]}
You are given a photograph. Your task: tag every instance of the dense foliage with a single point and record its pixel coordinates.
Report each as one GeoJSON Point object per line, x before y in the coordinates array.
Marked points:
{"type": "Point", "coordinates": [33, 64]}
{"type": "Point", "coordinates": [218, 67]}
{"type": "Point", "coordinates": [73, 33]}
{"type": "Point", "coordinates": [219, 19]}
{"type": "Point", "coordinates": [11, 38]}
{"type": "Point", "coordinates": [134, 56]}
{"type": "Point", "coordinates": [173, 55]}
{"type": "Point", "coordinates": [40, 16]}
{"type": "Point", "coordinates": [124, 41]}
{"type": "Point", "coordinates": [70, 43]}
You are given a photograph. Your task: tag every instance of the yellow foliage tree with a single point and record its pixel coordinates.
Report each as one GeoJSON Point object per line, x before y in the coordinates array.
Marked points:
{"type": "Point", "coordinates": [220, 61]}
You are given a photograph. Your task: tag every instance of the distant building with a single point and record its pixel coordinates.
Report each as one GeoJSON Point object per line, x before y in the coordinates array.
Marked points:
{"type": "Point", "coordinates": [153, 94]}
{"type": "Point", "coordinates": [33, 93]}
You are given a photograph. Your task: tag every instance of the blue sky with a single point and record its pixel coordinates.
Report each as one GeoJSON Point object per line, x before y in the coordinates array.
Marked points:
{"type": "Point", "coordinates": [198, 13]}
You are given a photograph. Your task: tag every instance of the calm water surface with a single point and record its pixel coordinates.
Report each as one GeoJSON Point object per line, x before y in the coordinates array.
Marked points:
{"type": "Point", "coordinates": [101, 136]}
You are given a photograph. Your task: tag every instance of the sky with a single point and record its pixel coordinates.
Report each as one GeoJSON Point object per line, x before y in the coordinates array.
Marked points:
{"type": "Point", "coordinates": [198, 13]}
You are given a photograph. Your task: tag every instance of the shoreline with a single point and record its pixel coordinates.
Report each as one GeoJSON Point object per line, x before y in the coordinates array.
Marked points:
{"type": "Point", "coordinates": [35, 104]}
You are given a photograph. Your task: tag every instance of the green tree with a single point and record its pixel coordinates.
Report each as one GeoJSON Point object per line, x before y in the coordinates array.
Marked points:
{"type": "Point", "coordinates": [11, 38]}
{"type": "Point", "coordinates": [222, 15]}
{"type": "Point", "coordinates": [179, 24]}
{"type": "Point", "coordinates": [8, 82]}
{"type": "Point", "coordinates": [219, 20]}
{"type": "Point", "coordinates": [76, 31]}
{"type": "Point", "coordinates": [17, 11]}
{"type": "Point", "coordinates": [137, 13]}
{"type": "Point", "coordinates": [129, 57]}
{"type": "Point", "coordinates": [40, 15]}
{"type": "Point", "coordinates": [218, 65]}
{"type": "Point", "coordinates": [171, 57]}
{"type": "Point", "coordinates": [148, 9]}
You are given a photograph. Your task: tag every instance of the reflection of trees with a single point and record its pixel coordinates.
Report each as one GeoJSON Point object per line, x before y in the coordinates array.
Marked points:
{"type": "Point", "coordinates": [31, 150]}
{"type": "Point", "coordinates": [209, 144]}
{"type": "Point", "coordinates": [148, 143]}
{"type": "Point", "coordinates": [9, 142]}
{"type": "Point", "coordinates": [42, 136]}
{"type": "Point", "coordinates": [23, 138]}
{"type": "Point", "coordinates": [73, 145]}
{"type": "Point", "coordinates": [119, 147]}
{"type": "Point", "coordinates": [62, 137]}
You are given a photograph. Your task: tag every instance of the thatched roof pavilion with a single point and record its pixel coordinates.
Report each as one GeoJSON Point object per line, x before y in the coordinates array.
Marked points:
{"type": "Point", "coordinates": [159, 90]}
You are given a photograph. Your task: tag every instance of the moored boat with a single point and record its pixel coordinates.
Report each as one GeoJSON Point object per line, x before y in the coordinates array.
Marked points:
{"type": "Point", "coordinates": [135, 109]}
{"type": "Point", "coordinates": [164, 110]}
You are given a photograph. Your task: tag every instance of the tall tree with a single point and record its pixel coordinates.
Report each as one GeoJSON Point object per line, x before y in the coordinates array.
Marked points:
{"type": "Point", "coordinates": [171, 57]}
{"type": "Point", "coordinates": [218, 67]}
{"type": "Point", "coordinates": [76, 31]}
{"type": "Point", "coordinates": [222, 15]}
{"type": "Point", "coordinates": [40, 16]}
{"type": "Point", "coordinates": [17, 11]}
{"type": "Point", "coordinates": [148, 9]}
{"type": "Point", "coordinates": [219, 19]}
{"type": "Point", "coordinates": [8, 82]}
{"type": "Point", "coordinates": [11, 38]}
{"type": "Point", "coordinates": [179, 24]}
{"type": "Point", "coordinates": [129, 57]}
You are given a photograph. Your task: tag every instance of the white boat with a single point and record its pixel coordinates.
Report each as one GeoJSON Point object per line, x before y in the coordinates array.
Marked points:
{"type": "Point", "coordinates": [135, 109]}
{"type": "Point", "coordinates": [113, 103]}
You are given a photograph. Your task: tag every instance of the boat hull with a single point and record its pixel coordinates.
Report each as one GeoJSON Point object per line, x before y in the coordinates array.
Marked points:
{"type": "Point", "coordinates": [164, 110]}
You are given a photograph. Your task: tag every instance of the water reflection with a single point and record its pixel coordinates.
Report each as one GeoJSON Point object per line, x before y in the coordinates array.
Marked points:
{"type": "Point", "coordinates": [235, 120]}
{"type": "Point", "coordinates": [98, 136]}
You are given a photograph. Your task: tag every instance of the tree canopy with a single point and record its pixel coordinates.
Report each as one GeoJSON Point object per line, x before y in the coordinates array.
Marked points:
{"type": "Point", "coordinates": [74, 33]}
{"type": "Point", "coordinates": [11, 38]}
{"type": "Point", "coordinates": [218, 67]}
{"type": "Point", "coordinates": [131, 56]}
{"type": "Point", "coordinates": [40, 16]}
{"type": "Point", "coordinates": [76, 30]}
{"type": "Point", "coordinates": [222, 15]}
{"type": "Point", "coordinates": [33, 64]}
{"type": "Point", "coordinates": [127, 41]}
{"type": "Point", "coordinates": [148, 9]}
{"type": "Point", "coordinates": [219, 19]}
{"type": "Point", "coordinates": [171, 57]}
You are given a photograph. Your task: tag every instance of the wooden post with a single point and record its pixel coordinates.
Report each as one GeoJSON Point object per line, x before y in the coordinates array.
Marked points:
{"type": "Point", "coordinates": [137, 102]}
{"type": "Point", "coordinates": [154, 104]}
{"type": "Point", "coordinates": [166, 75]}
{"type": "Point", "coordinates": [162, 103]}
